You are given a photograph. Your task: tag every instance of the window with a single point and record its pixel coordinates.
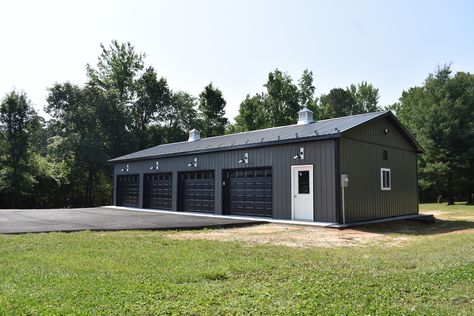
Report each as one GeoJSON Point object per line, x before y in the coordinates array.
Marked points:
{"type": "Point", "coordinates": [385, 179]}
{"type": "Point", "coordinates": [303, 182]}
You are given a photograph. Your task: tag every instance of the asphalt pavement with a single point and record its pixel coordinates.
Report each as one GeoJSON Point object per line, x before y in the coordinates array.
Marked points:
{"type": "Point", "coordinates": [105, 219]}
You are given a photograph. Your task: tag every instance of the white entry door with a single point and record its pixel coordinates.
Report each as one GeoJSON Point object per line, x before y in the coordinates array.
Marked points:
{"type": "Point", "coordinates": [302, 192]}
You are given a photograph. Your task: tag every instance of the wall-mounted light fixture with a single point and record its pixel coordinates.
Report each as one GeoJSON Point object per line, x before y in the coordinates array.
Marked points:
{"type": "Point", "coordinates": [125, 169]}
{"type": "Point", "coordinates": [385, 131]}
{"type": "Point", "coordinates": [299, 155]}
{"type": "Point", "coordinates": [245, 159]}
{"type": "Point", "coordinates": [194, 163]}
{"type": "Point", "coordinates": [155, 166]}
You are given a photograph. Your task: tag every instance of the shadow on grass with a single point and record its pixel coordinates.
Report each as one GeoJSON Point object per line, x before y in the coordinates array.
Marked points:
{"type": "Point", "coordinates": [418, 228]}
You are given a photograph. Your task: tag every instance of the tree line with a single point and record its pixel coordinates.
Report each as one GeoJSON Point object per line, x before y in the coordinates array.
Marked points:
{"type": "Point", "coordinates": [125, 106]}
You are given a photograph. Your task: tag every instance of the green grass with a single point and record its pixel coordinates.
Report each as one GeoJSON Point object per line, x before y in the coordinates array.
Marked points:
{"type": "Point", "coordinates": [459, 209]}
{"type": "Point", "coordinates": [146, 273]}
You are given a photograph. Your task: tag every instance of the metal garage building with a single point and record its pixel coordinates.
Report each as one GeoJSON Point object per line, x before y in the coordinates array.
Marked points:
{"type": "Point", "coordinates": [341, 170]}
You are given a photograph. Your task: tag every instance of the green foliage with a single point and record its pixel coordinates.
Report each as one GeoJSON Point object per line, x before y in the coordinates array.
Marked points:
{"type": "Point", "coordinates": [441, 115]}
{"type": "Point", "coordinates": [123, 107]}
{"type": "Point", "coordinates": [82, 142]}
{"type": "Point", "coordinates": [181, 118]}
{"type": "Point", "coordinates": [117, 70]}
{"type": "Point", "coordinates": [355, 99]}
{"type": "Point", "coordinates": [212, 110]}
{"type": "Point", "coordinates": [251, 114]}
{"type": "Point", "coordinates": [338, 102]}
{"type": "Point", "coordinates": [281, 99]}
{"type": "Point", "coordinates": [306, 91]}
{"type": "Point", "coordinates": [153, 104]}
{"type": "Point", "coordinates": [16, 116]}
{"type": "Point", "coordinates": [366, 97]}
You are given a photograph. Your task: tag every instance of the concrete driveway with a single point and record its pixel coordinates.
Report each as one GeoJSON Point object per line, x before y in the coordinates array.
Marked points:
{"type": "Point", "coordinates": [104, 218]}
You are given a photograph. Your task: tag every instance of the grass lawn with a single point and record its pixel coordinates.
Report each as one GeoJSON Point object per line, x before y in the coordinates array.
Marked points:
{"type": "Point", "coordinates": [143, 272]}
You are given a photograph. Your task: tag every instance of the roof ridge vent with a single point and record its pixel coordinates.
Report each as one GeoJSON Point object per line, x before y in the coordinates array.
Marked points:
{"type": "Point", "coordinates": [305, 116]}
{"type": "Point", "coordinates": [194, 135]}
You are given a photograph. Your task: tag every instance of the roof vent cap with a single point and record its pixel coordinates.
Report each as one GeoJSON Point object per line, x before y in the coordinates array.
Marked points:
{"type": "Point", "coordinates": [305, 116]}
{"type": "Point", "coordinates": [194, 135]}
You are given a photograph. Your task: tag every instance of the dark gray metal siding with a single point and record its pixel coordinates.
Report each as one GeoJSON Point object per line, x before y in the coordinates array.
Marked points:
{"type": "Point", "coordinates": [280, 157]}
{"type": "Point", "coordinates": [361, 158]}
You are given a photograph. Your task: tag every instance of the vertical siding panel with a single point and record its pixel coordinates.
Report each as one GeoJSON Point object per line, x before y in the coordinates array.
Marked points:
{"type": "Point", "coordinates": [332, 158]}
{"type": "Point", "coordinates": [325, 179]}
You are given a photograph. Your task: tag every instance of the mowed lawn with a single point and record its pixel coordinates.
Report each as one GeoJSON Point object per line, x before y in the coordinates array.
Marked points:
{"type": "Point", "coordinates": [143, 272]}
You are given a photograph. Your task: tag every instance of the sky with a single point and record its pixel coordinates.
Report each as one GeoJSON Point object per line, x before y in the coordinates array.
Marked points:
{"type": "Point", "coordinates": [235, 44]}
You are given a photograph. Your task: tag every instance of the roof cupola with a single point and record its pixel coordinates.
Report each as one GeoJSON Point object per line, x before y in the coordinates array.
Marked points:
{"type": "Point", "coordinates": [194, 135]}
{"type": "Point", "coordinates": [305, 116]}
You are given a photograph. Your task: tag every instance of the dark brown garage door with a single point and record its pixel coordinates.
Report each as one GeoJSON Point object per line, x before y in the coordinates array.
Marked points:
{"type": "Point", "coordinates": [157, 191]}
{"type": "Point", "coordinates": [127, 190]}
{"type": "Point", "coordinates": [248, 192]}
{"type": "Point", "coordinates": [196, 191]}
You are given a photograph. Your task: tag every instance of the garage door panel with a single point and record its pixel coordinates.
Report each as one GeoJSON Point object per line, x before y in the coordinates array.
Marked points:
{"type": "Point", "coordinates": [128, 190]}
{"type": "Point", "coordinates": [249, 192]}
{"type": "Point", "coordinates": [197, 191]}
{"type": "Point", "coordinates": [158, 190]}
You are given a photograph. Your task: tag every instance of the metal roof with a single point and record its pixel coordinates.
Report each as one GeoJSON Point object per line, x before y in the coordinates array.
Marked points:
{"type": "Point", "coordinates": [323, 129]}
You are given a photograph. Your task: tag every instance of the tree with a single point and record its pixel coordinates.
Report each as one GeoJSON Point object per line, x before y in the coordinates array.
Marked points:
{"type": "Point", "coordinates": [277, 106]}
{"type": "Point", "coordinates": [366, 97]}
{"type": "Point", "coordinates": [212, 110]}
{"type": "Point", "coordinates": [180, 119]}
{"type": "Point", "coordinates": [441, 114]}
{"type": "Point", "coordinates": [116, 78]}
{"type": "Point", "coordinates": [117, 70]}
{"type": "Point", "coordinates": [251, 114]}
{"type": "Point", "coordinates": [16, 115]}
{"type": "Point", "coordinates": [81, 145]}
{"type": "Point", "coordinates": [153, 103]}
{"type": "Point", "coordinates": [281, 99]}
{"type": "Point", "coordinates": [338, 102]}
{"type": "Point", "coordinates": [306, 91]}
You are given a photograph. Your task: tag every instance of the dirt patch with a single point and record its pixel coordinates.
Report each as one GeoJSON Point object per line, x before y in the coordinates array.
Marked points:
{"type": "Point", "coordinates": [294, 236]}
{"type": "Point", "coordinates": [389, 234]}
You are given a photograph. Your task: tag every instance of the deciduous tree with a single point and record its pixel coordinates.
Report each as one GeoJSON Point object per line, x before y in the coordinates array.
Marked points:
{"type": "Point", "coordinates": [212, 111]}
{"type": "Point", "coordinates": [16, 115]}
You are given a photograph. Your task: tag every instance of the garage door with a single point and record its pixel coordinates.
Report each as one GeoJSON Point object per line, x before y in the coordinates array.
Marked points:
{"type": "Point", "coordinates": [197, 191]}
{"type": "Point", "coordinates": [157, 191]}
{"type": "Point", "coordinates": [127, 190]}
{"type": "Point", "coordinates": [248, 192]}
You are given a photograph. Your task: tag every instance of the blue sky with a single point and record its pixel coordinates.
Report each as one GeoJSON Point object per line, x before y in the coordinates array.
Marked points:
{"type": "Point", "coordinates": [234, 44]}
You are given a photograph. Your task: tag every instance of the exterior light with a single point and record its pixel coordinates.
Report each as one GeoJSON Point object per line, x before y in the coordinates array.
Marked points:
{"type": "Point", "coordinates": [299, 155]}
{"type": "Point", "coordinates": [194, 163]}
{"type": "Point", "coordinates": [386, 131]}
{"type": "Point", "coordinates": [125, 169]}
{"type": "Point", "coordinates": [245, 159]}
{"type": "Point", "coordinates": [155, 166]}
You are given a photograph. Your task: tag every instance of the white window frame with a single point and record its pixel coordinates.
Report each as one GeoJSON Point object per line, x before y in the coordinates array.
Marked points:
{"type": "Point", "coordinates": [382, 170]}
